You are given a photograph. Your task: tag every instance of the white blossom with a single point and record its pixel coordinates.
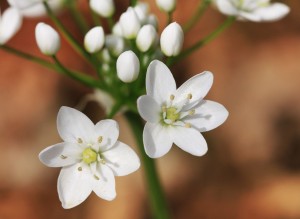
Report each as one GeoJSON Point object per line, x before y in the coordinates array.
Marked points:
{"type": "Point", "coordinates": [47, 39]}
{"type": "Point", "coordinates": [90, 157]}
{"type": "Point", "coordinates": [94, 39]}
{"type": "Point", "coordinates": [146, 38]}
{"type": "Point", "coordinates": [177, 115]}
{"type": "Point", "coordinates": [104, 8]}
{"type": "Point", "coordinates": [171, 39]}
{"type": "Point", "coordinates": [128, 66]}
{"type": "Point", "coordinates": [253, 10]}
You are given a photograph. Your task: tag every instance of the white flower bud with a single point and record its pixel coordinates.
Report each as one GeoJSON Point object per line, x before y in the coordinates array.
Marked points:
{"type": "Point", "coordinates": [146, 37]}
{"type": "Point", "coordinates": [104, 8]}
{"type": "Point", "coordinates": [117, 30]}
{"type": "Point", "coordinates": [171, 39]}
{"type": "Point", "coordinates": [166, 5]}
{"type": "Point", "coordinates": [130, 23]}
{"type": "Point", "coordinates": [94, 40]}
{"type": "Point", "coordinates": [152, 19]}
{"type": "Point", "coordinates": [142, 11]}
{"type": "Point", "coordinates": [115, 44]}
{"type": "Point", "coordinates": [47, 39]}
{"type": "Point", "coordinates": [128, 67]}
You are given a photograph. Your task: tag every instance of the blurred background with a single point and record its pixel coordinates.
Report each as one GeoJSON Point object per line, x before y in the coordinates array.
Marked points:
{"type": "Point", "coordinates": [252, 168]}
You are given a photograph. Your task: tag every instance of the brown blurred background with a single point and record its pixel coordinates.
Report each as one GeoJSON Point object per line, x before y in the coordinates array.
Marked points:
{"type": "Point", "coordinates": [252, 168]}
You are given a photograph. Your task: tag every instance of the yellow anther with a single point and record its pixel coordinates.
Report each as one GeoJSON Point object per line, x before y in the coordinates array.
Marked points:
{"type": "Point", "coordinates": [63, 157]}
{"type": "Point", "coordinates": [79, 140]}
{"type": "Point", "coordinates": [191, 112]}
{"type": "Point", "coordinates": [100, 139]}
{"type": "Point", "coordinates": [172, 97]}
{"type": "Point", "coordinates": [189, 96]}
{"type": "Point", "coordinates": [188, 125]}
{"type": "Point", "coordinates": [79, 169]}
{"type": "Point", "coordinates": [96, 177]}
{"type": "Point", "coordinates": [102, 161]}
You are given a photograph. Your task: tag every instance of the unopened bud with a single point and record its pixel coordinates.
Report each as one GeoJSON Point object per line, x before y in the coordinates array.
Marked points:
{"type": "Point", "coordinates": [171, 39]}
{"type": "Point", "coordinates": [47, 39]}
{"type": "Point", "coordinates": [104, 8]}
{"type": "Point", "coordinates": [130, 23]}
{"type": "Point", "coordinates": [128, 67]}
{"type": "Point", "coordinates": [146, 37]}
{"type": "Point", "coordinates": [94, 39]}
{"type": "Point", "coordinates": [166, 5]}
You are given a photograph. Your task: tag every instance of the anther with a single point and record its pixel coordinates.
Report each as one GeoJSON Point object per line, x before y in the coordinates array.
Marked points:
{"type": "Point", "coordinates": [172, 97]}
{"type": "Point", "coordinates": [188, 125]}
{"type": "Point", "coordinates": [79, 169]}
{"type": "Point", "coordinates": [63, 157]}
{"type": "Point", "coordinates": [96, 177]}
{"type": "Point", "coordinates": [100, 139]}
{"type": "Point", "coordinates": [189, 96]}
{"type": "Point", "coordinates": [102, 161]}
{"type": "Point", "coordinates": [79, 140]}
{"type": "Point", "coordinates": [191, 112]}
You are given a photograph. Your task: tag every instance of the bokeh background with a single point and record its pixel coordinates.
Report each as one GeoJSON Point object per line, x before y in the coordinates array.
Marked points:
{"type": "Point", "coordinates": [252, 168]}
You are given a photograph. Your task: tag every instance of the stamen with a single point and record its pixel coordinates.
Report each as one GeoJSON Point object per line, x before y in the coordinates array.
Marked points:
{"type": "Point", "coordinates": [89, 145]}
{"type": "Point", "coordinates": [102, 161]}
{"type": "Point", "coordinates": [79, 169]}
{"type": "Point", "coordinates": [79, 140]}
{"type": "Point", "coordinates": [96, 177]}
{"type": "Point", "coordinates": [192, 112]}
{"type": "Point", "coordinates": [63, 157]}
{"type": "Point", "coordinates": [189, 96]}
{"type": "Point", "coordinates": [172, 97]}
{"type": "Point", "coordinates": [100, 139]}
{"type": "Point", "coordinates": [164, 108]}
{"type": "Point", "coordinates": [188, 125]}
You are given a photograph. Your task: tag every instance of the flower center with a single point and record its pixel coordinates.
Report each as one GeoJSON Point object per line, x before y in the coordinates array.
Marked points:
{"type": "Point", "coordinates": [172, 114]}
{"type": "Point", "coordinates": [89, 155]}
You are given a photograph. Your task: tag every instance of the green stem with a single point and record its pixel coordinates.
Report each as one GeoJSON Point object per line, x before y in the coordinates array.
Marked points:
{"type": "Point", "coordinates": [133, 3]}
{"type": "Point", "coordinates": [66, 34]}
{"type": "Point", "coordinates": [157, 199]}
{"type": "Point", "coordinates": [78, 18]}
{"type": "Point", "coordinates": [203, 5]}
{"type": "Point", "coordinates": [170, 17]}
{"type": "Point", "coordinates": [204, 41]}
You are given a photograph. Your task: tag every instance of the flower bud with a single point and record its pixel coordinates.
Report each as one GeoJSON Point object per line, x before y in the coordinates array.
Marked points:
{"type": "Point", "coordinates": [128, 67]}
{"type": "Point", "coordinates": [117, 30]}
{"type": "Point", "coordinates": [171, 39]}
{"type": "Point", "coordinates": [166, 5]}
{"type": "Point", "coordinates": [130, 23]}
{"type": "Point", "coordinates": [146, 37]}
{"type": "Point", "coordinates": [142, 11]}
{"type": "Point", "coordinates": [47, 39]}
{"type": "Point", "coordinates": [152, 19]}
{"type": "Point", "coordinates": [94, 40]}
{"type": "Point", "coordinates": [104, 8]}
{"type": "Point", "coordinates": [115, 44]}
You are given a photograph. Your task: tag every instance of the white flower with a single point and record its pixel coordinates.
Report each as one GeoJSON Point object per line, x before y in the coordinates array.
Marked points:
{"type": "Point", "coordinates": [115, 44]}
{"type": "Point", "coordinates": [130, 23]}
{"type": "Point", "coordinates": [128, 66]}
{"type": "Point", "coordinates": [94, 40]}
{"type": "Point", "coordinates": [146, 37]}
{"type": "Point", "coordinates": [104, 8]}
{"type": "Point", "coordinates": [171, 39]}
{"type": "Point", "coordinates": [177, 115]}
{"type": "Point", "coordinates": [166, 5]}
{"type": "Point", "coordinates": [47, 39]}
{"type": "Point", "coordinates": [90, 157]}
{"type": "Point", "coordinates": [10, 23]}
{"type": "Point", "coordinates": [253, 10]}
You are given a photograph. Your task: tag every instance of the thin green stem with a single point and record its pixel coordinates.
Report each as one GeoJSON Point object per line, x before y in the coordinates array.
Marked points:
{"type": "Point", "coordinates": [133, 3]}
{"type": "Point", "coordinates": [111, 23]}
{"type": "Point", "coordinates": [203, 5]}
{"type": "Point", "coordinates": [170, 17]}
{"type": "Point", "coordinates": [77, 16]}
{"type": "Point", "coordinates": [157, 199]}
{"type": "Point", "coordinates": [203, 42]}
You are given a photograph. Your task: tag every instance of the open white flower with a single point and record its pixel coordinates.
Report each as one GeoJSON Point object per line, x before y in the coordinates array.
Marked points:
{"type": "Point", "coordinates": [90, 157]}
{"type": "Point", "coordinates": [177, 115]}
{"type": "Point", "coordinates": [253, 10]}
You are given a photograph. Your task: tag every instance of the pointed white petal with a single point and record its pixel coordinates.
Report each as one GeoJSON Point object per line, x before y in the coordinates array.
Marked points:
{"type": "Point", "coordinates": [156, 139]}
{"type": "Point", "coordinates": [10, 23]}
{"type": "Point", "coordinates": [208, 115]}
{"type": "Point", "coordinates": [226, 7]}
{"type": "Point", "coordinates": [250, 16]}
{"type": "Point", "coordinates": [149, 109]}
{"type": "Point", "coordinates": [108, 130]}
{"type": "Point", "coordinates": [189, 140]}
{"type": "Point", "coordinates": [59, 155]}
{"type": "Point", "coordinates": [197, 86]}
{"type": "Point", "coordinates": [272, 12]}
{"type": "Point", "coordinates": [73, 124]}
{"type": "Point", "coordinates": [160, 83]}
{"type": "Point", "coordinates": [104, 183]}
{"type": "Point", "coordinates": [74, 186]}
{"type": "Point", "coordinates": [121, 159]}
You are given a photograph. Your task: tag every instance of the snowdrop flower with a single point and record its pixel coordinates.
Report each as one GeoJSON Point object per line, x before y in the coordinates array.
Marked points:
{"type": "Point", "coordinates": [146, 37]}
{"type": "Point", "coordinates": [253, 10]}
{"type": "Point", "coordinates": [90, 157]}
{"type": "Point", "coordinates": [130, 23]}
{"type": "Point", "coordinates": [47, 39]}
{"type": "Point", "coordinates": [115, 44]}
{"type": "Point", "coordinates": [171, 39]}
{"type": "Point", "coordinates": [10, 23]}
{"type": "Point", "coordinates": [177, 115]}
{"type": "Point", "coordinates": [128, 66]}
{"type": "Point", "coordinates": [166, 5]}
{"type": "Point", "coordinates": [94, 40]}
{"type": "Point", "coordinates": [104, 8]}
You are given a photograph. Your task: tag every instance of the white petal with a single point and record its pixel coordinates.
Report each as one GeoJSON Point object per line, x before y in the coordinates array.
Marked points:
{"type": "Point", "coordinates": [198, 86]}
{"type": "Point", "coordinates": [208, 115]}
{"type": "Point", "coordinates": [156, 139]}
{"type": "Point", "coordinates": [74, 186]}
{"type": "Point", "coordinates": [160, 83]}
{"type": "Point", "coordinates": [59, 155]}
{"type": "Point", "coordinates": [250, 16]}
{"type": "Point", "coordinates": [108, 129]}
{"type": "Point", "coordinates": [104, 185]}
{"type": "Point", "coordinates": [226, 7]}
{"type": "Point", "coordinates": [10, 23]}
{"type": "Point", "coordinates": [273, 12]}
{"type": "Point", "coordinates": [73, 124]}
{"type": "Point", "coordinates": [149, 109]}
{"type": "Point", "coordinates": [189, 140]}
{"type": "Point", "coordinates": [121, 159]}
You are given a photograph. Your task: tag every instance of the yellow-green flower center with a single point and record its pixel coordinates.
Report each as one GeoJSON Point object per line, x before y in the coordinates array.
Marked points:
{"type": "Point", "coordinates": [89, 155]}
{"type": "Point", "coordinates": [172, 114]}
